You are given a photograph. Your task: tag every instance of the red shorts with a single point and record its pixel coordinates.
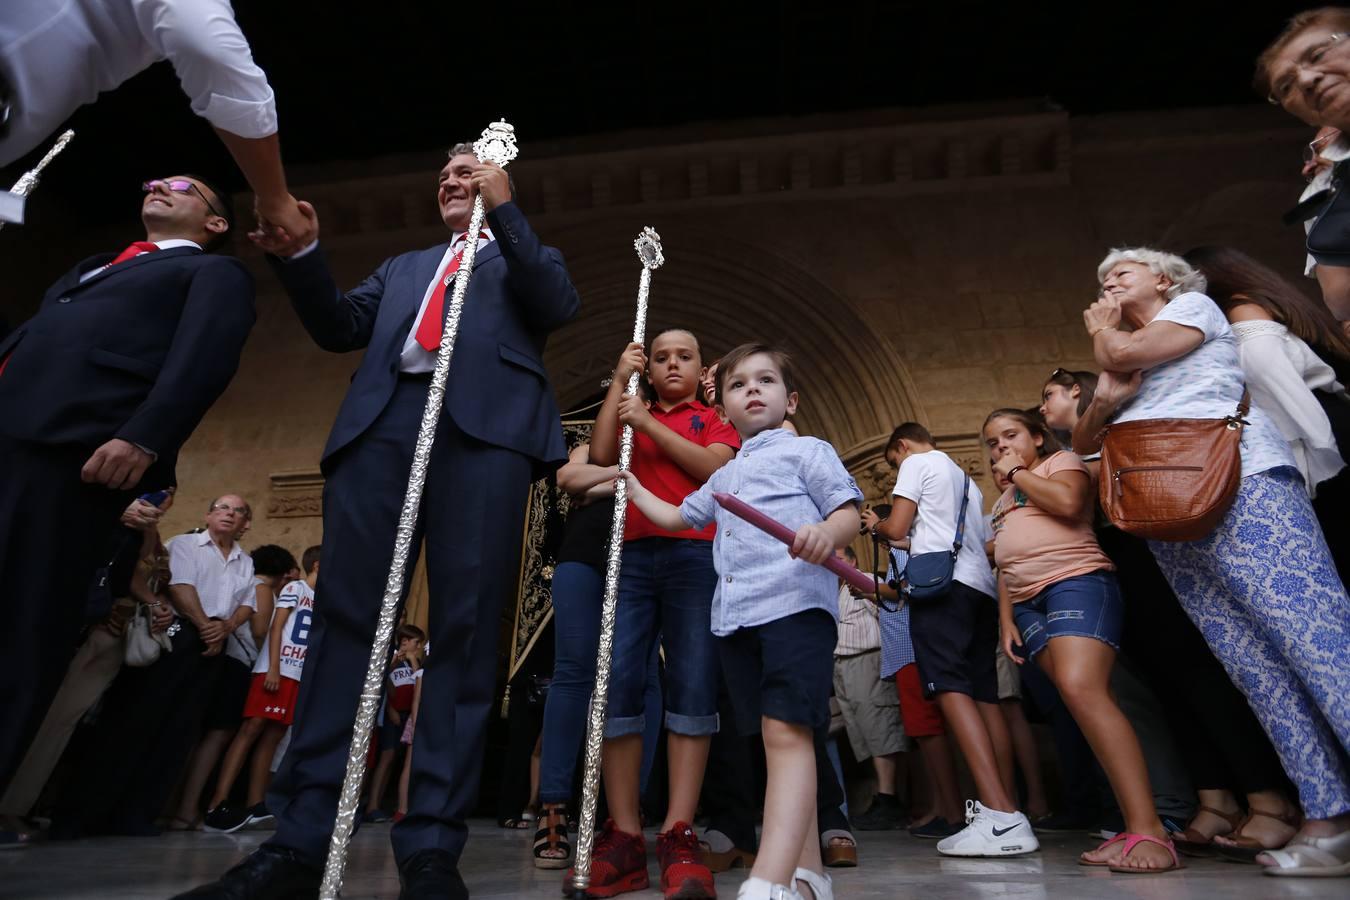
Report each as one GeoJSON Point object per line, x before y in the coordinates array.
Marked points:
{"type": "Point", "coordinates": [920, 716]}
{"type": "Point", "coordinates": [278, 706]}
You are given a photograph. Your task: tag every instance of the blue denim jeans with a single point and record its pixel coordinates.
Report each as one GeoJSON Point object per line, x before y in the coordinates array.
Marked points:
{"type": "Point", "coordinates": [665, 596]}
{"type": "Point", "coordinates": [578, 592]}
{"type": "Point", "coordinates": [1082, 606]}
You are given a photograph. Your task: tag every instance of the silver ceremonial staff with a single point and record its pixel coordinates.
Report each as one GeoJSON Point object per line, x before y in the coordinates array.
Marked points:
{"type": "Point", "coordinates": [28, 180]}
{"type": "Point", "coordinates": [496, 145]}
{"type": "Point", "coordinates": [648, 246]}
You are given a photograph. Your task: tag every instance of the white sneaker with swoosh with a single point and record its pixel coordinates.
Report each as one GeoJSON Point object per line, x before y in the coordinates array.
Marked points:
{"type": "Point", "coordinates": [989, 832]}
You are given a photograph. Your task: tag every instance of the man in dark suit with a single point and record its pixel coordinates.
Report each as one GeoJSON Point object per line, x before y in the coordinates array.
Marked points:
{"type": "Point", "coordinates": [98, 391]}
{"type": "Point", "coordinates": [500, 429]}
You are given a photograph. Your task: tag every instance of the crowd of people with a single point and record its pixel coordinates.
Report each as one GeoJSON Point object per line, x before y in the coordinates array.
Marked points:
{"type": "Point", "coordinates": [1161, 579]}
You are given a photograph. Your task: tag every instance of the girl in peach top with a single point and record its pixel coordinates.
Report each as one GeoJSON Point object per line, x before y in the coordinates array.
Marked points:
{"type": "Point", "coordinates": [1059, 601]}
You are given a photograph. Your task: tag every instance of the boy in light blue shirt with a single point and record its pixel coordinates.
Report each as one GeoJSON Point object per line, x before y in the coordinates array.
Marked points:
{"type": "Point", "coordinates": [775, 608]}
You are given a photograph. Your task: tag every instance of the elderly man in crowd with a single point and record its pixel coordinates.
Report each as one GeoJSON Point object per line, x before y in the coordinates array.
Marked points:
{"type": "Point", "coordinates": [156, 713]}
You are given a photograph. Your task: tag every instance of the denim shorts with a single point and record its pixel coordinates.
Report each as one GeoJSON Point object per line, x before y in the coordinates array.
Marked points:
{"type": "Point", "coordinates": [1082, 606]}
{"type": "Point", "coordinates": [666, 588]}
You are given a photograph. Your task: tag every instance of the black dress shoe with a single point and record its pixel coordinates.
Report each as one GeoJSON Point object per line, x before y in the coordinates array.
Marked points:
{"type": "Point", "coordinates": [431, 875]}
{"type": "Point", "coordinates": [268, 873]}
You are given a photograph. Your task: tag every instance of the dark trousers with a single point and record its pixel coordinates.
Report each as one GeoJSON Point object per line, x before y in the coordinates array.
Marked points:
{"type": "Point", "coordinates": [55, 530]}
{"type": "Point", "coordinates": [1221, 743]}
{"type": "Point", "coordinates": [731, 796]}
{"type": "Point", "coordinates": [473, 511]}
{"type": "Point", "coordinates": [147, 725]}
{"type": "Point", "coordinates": [729, 783]}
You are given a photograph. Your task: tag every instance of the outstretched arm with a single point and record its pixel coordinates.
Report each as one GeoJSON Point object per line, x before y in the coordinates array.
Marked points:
{"type": "Point", "coordinates": [338, 322]}
{"type": "Point", "coordinates": [659, 512]}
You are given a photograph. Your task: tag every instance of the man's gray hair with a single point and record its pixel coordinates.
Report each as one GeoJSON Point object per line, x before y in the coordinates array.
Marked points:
{"type": "Point", "coordinates": [461, 147]}
{"type": "Point", "coordinates": [1184, 277]}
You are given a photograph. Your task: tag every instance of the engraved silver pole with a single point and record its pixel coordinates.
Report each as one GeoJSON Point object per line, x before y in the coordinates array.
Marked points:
{"type": "Point", "coordinates": [648, 246]}
{"type": "Point", "coordinates": [496, 145]}
{"type": "Point", "coordinates": [28, 180]}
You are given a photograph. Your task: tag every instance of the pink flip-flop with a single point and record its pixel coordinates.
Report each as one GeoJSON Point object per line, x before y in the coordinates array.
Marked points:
{"type": "Point", "coordinates": [1132, 840]}
{"type": "Point", "coordinates": [1135, 840]}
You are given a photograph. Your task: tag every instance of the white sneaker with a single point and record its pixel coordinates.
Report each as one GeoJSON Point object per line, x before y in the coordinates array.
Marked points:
{"type": "Point", "coordinates": [990, 833]}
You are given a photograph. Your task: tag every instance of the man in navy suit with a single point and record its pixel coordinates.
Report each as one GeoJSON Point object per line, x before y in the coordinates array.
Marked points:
{"type": "Point", "coordinates": [98, 391]}
{"type": "Point", "coordinates": [499, 430]}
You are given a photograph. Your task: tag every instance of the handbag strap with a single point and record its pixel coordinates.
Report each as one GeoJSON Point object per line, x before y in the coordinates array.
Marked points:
{"type": "Point", "coordinates": [961, 520]}
{"type": "Point", "coordinates": [1245, 404]}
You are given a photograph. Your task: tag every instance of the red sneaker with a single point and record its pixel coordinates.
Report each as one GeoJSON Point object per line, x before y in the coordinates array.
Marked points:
{"type": "Point", "coordinates": [618, 864]}
{"type": "Point", "coordinates": [683, 874]}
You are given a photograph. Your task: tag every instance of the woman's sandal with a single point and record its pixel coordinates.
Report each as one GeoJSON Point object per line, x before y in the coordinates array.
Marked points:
{"type": "Point", "coordinates": [822, 888]}
{"type": "Point", "coordinates": [551, 838]}
{"type": "Point", "coordinates": [724, 860]}
{"type": "Point", "coordinates": [513, 823]}
{"type": "Point", "coordinates": [838, 856]}
{"type": "Point", "coordinates": [1131, 841]}
{"type": "Point", "coordinates": [1244, 849]}
{"type": "Point", "coordinates": [1312, 857]}
{"type": "Point", "coordinates": [1190, 842]}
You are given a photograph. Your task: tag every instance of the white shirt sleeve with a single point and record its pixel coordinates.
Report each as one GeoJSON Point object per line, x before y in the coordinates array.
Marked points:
{"type": "Point", "coordinates": [202, 41]}
{"type": "Point", "coordinates": [182, 561]}
{"type": "Point", "coordinates": [1279, 386]}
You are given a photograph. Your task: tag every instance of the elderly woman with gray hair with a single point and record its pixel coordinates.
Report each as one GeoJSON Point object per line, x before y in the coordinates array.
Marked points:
{"type": "Point", "coordinates": [1261, 587]}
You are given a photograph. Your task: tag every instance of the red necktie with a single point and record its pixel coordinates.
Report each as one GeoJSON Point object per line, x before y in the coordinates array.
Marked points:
{"type": "Point", "coordinates": [136, 249]}
{"type": "Point", "coordinates": [428, 332]}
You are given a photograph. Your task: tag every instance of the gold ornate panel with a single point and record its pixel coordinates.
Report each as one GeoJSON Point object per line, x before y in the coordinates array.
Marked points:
{"type": "Point", "coordinates": [534, 599]}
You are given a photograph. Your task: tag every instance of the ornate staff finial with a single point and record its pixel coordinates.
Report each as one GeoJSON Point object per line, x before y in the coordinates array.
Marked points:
{"type": "Point", "coordinates": [648, 247]}
{"type": "Point", "coordinates": [497, 144]}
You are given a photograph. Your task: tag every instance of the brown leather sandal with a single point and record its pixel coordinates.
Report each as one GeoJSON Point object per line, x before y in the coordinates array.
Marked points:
{"type": "Point", "coordinates": [838, 856]}
{"type": "Point", "coordinates": [552, 837]}
{"type": "Point", "coordinates": [1245, 849]}
{"type": "Point", "coordinates": [1191, 842]}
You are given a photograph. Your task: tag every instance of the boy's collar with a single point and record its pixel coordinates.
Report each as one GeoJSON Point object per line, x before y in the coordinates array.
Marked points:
{"type": "Point", "coordinates": [763, 437]}
{"type": "Point", "coordinates": [692, 404]}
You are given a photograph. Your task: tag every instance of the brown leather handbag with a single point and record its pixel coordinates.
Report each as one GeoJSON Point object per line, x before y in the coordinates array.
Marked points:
{"type": "Point", "coordinates": [1172, 479]}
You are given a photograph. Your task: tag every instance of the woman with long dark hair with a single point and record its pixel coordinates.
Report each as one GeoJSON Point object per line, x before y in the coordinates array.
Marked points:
{"type": "Point", "coordinates": [1296, 361]}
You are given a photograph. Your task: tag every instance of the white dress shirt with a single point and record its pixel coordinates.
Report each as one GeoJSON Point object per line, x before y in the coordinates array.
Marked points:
{"type": "Point", "coordinates": [170, 244]}
{"type": "Point", "coordinates": [58, 55]}
{"type": "Point", "coordinates": [223, 583]}
{"type": "Point", "coordinates": [415, 358]}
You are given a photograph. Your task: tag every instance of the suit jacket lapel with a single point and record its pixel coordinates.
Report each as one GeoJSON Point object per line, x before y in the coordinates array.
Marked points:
{"type": "Point", "coordinates": [72, 278]}
{"type": "Point", "coordinates": [134, 262]}
{"type": "Point", "coordinates": [487, 254]}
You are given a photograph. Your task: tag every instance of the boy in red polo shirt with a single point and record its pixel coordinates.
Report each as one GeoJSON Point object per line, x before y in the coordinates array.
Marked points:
{"type": "Point", "coordinates": [666, 588]}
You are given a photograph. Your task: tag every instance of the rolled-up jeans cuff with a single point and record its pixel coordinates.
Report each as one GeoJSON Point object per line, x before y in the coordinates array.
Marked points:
{"type": "Point", "coordinates": [622, 727]}
{"type": "Point", "coordinates": [692, 726]}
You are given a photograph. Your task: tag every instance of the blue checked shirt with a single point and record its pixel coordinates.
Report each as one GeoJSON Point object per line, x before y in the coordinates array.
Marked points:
{"type": "Point", "coordinates": [795, 480]}
{"type": "Point", "coordinates": [896, 649]}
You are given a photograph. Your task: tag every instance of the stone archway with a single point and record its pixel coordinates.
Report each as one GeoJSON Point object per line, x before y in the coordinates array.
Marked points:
{"type": "Point", "coordinates": [854, 385]}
